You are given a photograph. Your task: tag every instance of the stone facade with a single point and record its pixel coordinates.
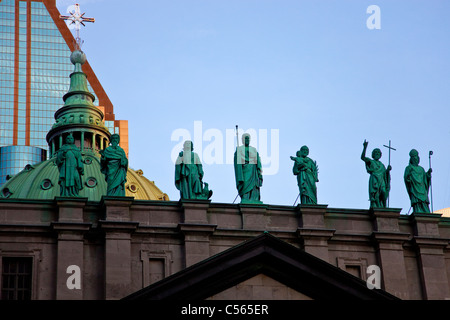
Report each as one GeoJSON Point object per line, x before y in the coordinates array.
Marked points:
{"type": "Point", "coordinates": [260, 287]}
{"type": "Point", "coordinates": [122, 245]}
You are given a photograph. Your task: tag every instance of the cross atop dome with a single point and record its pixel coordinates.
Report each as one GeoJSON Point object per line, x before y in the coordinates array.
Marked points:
{"type": "Point", "coordinates": [74, 20]}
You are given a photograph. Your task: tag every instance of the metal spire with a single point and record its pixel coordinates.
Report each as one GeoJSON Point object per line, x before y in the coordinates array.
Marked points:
{"type": "Point", "coordinates": [74, 21]}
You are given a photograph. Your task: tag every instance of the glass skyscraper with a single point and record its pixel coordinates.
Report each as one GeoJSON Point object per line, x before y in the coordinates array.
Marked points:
{"type": "Point", "coordinates": [35, 46]}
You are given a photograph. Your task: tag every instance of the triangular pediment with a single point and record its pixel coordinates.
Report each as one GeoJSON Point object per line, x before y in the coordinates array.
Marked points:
{"type": "Point", "coordinates": [265, 255]}
{"type": "Point", "coordinates": [260, 287]}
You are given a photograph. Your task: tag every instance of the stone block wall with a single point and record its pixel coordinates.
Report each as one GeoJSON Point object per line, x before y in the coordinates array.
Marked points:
{"type": "Point", "coordinates": [122, 245]}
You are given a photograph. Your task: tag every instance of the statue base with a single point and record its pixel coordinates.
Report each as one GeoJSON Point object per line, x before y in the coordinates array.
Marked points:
{"type": "Point", "coordinates": [247, 201]}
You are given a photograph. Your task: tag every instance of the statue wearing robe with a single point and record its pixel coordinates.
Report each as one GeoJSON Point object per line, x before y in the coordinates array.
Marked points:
{"type": "Point", "coordinates": [114, 165]}
{"type": "Point", "coordinates": [189, 174]}
{"type": "Point", "coordinates": [71, 168]}
{"type": "Point", "coordinates": [248, 172]}
{"type": "Point", "coordinates": [306, 171]}
{"type": "Point", "coordinates": [379, 181]}
{"type": "Point", "coordinates": [417, 183]}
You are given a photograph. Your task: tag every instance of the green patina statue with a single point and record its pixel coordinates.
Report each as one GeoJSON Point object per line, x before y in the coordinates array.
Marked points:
{"type": "Point", "coordinates": [71, 168]}
{"type": "Point", "coordinates": [248, 172]}
{"type": "Point", "coordinates": [189, 174]}
{"type": "Point", "coordinates": [307, 172]}
{"type": "Point", "coordinates": [417, 183]}
{"type": "Point", "coordinates": [379, 181]}
{"type": "Point", "coordinates": [114, 165]}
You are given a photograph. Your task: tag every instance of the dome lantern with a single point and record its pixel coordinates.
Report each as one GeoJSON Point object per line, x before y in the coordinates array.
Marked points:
{"type": "Point", "coordinates": [79, 116]}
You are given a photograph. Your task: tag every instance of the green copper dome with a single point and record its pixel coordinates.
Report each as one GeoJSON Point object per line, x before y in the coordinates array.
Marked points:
{"type": "Point", "coordinates": [83, 121]}
{"type": "Point", "coordinates": [40, 181]}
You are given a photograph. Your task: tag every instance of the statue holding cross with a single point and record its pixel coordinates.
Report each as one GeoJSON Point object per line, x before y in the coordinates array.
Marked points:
{"type": "Point", "coordinates": [379, 181]}
{"type": "Point", "coordinates": [389, 165]}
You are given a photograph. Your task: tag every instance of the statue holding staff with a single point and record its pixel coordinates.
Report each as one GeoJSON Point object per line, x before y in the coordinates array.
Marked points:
{"type": "Point", "coordinates": [248, 171]}
{"type": "Point", "coordinates": [417, 183]}
{"type": "Point", "coordinates": [389, 164]}
{"type": "Point", "coordinates": [379, 181]}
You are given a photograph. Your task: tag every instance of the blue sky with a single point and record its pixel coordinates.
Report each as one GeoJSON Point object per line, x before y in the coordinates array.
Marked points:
{"type": "Point", "coordinates": [311, 71]}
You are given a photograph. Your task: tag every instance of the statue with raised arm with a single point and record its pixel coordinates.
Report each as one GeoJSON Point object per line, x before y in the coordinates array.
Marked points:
{"type": "Point", "coordinates": [307, 172]}
{"type": "Point", "coordinates": [379, 181]}
{"type": "Point", "coordinates": [189, 174]}
{"type": "Point", "coordinates": [114, 165]}
{"type": "Point", "coordinates": [248, 171]}
{"type": "Point", "coordinates": [71, 168]}
{"type": "Point", "coordinates": [417, 183]}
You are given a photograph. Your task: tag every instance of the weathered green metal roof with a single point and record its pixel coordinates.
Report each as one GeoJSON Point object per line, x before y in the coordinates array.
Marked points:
{"type": "Point", "coordinates": [40, 182]}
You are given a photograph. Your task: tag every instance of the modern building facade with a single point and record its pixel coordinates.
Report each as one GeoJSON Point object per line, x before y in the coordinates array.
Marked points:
{"type": "Point", "coordinates": [34, 69]}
